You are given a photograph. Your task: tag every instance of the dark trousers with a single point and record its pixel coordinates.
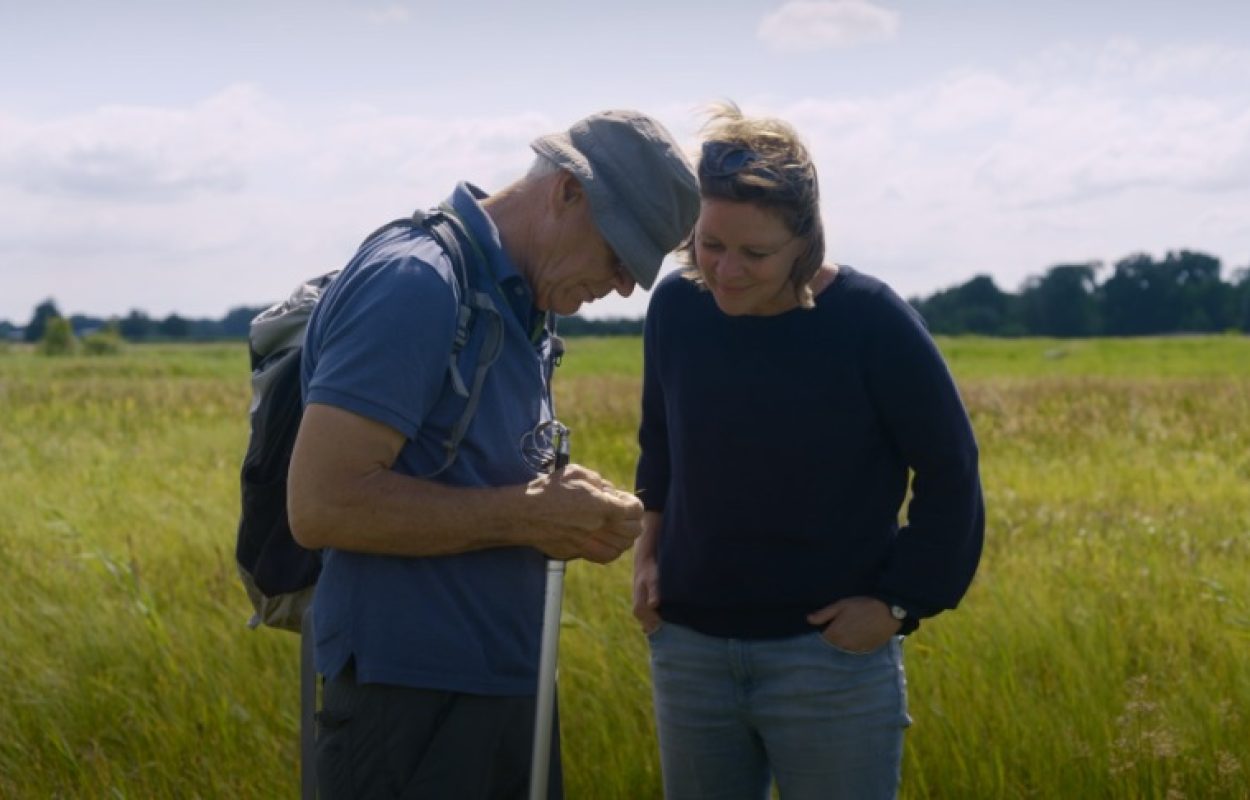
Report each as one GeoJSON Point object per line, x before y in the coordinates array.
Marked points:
{"type": "Point", "coordinates": [379, 741]}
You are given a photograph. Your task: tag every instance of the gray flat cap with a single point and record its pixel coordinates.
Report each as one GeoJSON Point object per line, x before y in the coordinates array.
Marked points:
{"type": "Point", "coordinates": [643, 193]}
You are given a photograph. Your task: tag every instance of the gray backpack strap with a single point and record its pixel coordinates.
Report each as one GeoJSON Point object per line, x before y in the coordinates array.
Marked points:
{"type": "Point", "coordinates": [440, 226]}
{"type": "Point", "coordinates": [474, 305]}
{"type": "Point", "coordinates": [491, 348]}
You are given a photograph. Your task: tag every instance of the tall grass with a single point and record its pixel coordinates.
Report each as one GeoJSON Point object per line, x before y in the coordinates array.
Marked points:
{"type": "Point", "coordinates": [1103, 651]}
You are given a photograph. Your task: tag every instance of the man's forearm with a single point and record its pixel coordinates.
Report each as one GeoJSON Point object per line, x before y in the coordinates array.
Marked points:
{"type": "Point", "coordinates": [343, 493]}
{"type": "Point", "coordinates": [388, 513]}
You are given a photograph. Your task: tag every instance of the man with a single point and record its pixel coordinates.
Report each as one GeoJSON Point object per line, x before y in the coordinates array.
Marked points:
{"type": "Point", "coordinates": [429, 607]}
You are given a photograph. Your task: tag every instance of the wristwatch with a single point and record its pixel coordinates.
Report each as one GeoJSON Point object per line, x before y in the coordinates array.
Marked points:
{"type": "Point", "coordinates": [908, 622]}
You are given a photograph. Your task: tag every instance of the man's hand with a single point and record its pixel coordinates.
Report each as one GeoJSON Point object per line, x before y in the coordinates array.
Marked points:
{"type": "Point", "coordinates": [582, 515]}
{"type": "Point", "coordinates": [857, 624]}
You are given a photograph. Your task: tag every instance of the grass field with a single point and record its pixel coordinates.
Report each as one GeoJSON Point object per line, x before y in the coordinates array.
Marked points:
{"type": "Point", "coordinates": [1103, 651]}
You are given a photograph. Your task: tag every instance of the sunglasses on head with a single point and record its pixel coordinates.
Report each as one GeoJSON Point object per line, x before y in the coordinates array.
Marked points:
{"type": "Point", "coordinates": [727, 159]}
{"type": "Point", "coordinates": [730, 159]}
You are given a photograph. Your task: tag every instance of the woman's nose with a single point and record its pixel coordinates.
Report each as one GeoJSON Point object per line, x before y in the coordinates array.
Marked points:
{"type": "Point", "coordinates": [727, 267]}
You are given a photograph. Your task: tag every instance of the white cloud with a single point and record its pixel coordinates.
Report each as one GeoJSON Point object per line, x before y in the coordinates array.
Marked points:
{"type": "Point", "coordinates": [125, 153]}
{"type": "Point", "coordinates": [806, 25]}
{"type": "Point", "coordinates": [1080, 154]}
{"type": "Point", "coordinates": [426, 150]}
{"type": "Point", "coordinates": [390, 14]}
{"type": "Point", "coordinates": [970, 99]}
{"type": "Point", "coordinates": [230, 201]}
{"type": "Point", "coordinates": [1218, 66]}
{"type": "Point", "coordinates": [1011, 171]}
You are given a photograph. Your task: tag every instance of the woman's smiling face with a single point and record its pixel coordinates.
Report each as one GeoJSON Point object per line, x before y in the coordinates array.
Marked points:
{"type": "Point", "coordinates": [745, 255]}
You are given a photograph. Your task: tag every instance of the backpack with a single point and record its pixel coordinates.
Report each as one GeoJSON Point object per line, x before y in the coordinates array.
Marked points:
{"type": "Point", "coordinates": [278, 574]}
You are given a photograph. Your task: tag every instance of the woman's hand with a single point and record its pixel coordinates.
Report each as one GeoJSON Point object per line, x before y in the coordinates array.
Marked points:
{"type": "Point", "coordinates": [647, 593]}
{"type": "Point", "coordinates": [647, 574]}
{"type": "Point", "coordinates": [858, 624]}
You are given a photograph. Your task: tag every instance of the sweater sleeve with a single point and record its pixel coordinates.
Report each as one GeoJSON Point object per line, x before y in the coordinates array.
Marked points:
{"type": "Point", "coordinates": [652, 477]}
{"type": "Point", "coordinates": [936, 552]}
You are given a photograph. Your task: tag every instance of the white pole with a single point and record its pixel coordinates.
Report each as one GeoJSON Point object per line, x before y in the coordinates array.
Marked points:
{"type": "Point", "coordinates": [550, 652]}
{"type": "Point", "coordinates": [543, 716]}
{"type": "Point", "coordinates": [307, 709]}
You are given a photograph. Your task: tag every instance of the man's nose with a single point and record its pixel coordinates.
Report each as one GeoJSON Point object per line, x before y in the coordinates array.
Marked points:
{"type": "Point", "coordinates": [624, 283]}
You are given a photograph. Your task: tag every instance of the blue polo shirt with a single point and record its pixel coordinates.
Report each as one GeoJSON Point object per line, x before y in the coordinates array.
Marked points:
{"type": "Point", "coordinates": [378, 345]}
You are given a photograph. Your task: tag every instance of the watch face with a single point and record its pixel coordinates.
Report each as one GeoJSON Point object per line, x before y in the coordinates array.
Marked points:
{"type": "Point", "coordinates": [898, 612]}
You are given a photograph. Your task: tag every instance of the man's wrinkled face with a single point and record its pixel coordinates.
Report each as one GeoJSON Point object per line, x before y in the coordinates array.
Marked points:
{"type": "Point", "coordinates": [580, 267]}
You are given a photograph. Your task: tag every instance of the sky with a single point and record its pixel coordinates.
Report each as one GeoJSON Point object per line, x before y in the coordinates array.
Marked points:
{"type": "Point", "coordinates": [191, 157]}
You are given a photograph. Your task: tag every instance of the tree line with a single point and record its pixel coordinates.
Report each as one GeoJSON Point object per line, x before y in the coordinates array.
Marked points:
{"type": "Point", "coordinates": [137, 326]}
{"type": "Point", "coordinates": [1141, 296]}
{"type": "Point", "coordinates": [1184, 292]}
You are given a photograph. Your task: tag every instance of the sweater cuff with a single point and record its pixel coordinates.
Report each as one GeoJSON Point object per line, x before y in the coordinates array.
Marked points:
{"type": "Point", "coordinates": [914, 613]}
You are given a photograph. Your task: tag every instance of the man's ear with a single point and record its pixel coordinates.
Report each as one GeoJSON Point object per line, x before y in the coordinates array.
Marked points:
{"type": "Point", "coordinates": [567, 192]}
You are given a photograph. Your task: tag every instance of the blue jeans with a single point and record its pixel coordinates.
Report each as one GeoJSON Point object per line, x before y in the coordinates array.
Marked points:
{"type": "Point", "coordinates": [733, 714]}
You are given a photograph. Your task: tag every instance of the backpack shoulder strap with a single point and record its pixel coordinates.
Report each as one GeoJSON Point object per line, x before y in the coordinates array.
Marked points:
{"type": "Point", "coordinates": [449, 232]}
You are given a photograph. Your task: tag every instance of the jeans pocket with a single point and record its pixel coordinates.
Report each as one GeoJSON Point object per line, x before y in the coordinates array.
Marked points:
{"type": "Point", "coordinates": [852, 653]}
{"type": "Point", "coordinates": [654, 632]}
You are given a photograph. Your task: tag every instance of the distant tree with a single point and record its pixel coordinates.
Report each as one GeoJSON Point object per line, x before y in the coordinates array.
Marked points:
{"type": "Point", "coordinates": [105, 341]}
{"type": "Point", "coordinates": [987, 309]}
{"type": "Point", "coordinates": [1203, 302]}
{"type": "Point", "coordinates": [1183, 292]}
{"type": "Point", "coordinates": [43, 312]}
{"type": "Point", "coordinates": [1241, 293]}
{"type": "Point", "coordinates": [203, 330]}
{"type": "Point", "coordinates": [617, 326]}
{"type": "Point", "coordinates": [237, 321]}
{"type": "Point", "coordinates": [58, 337]}
{"type": "Point", "coordinates": [83, 324]}
{"type": "Point", "coordinates": [174, 326]}
{"type": "Point", "coordinates": [977, 306]}
{"type": "Point", "coordinates": [137, 325]}
{"type": "Point", "coordinates": [1132, 298]}
{"type": "Point", "coordinates": [1062, 302]}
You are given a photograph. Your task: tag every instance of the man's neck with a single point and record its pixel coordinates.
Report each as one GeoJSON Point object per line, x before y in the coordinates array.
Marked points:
{"type": "Point", "coordinates": [512, 211]}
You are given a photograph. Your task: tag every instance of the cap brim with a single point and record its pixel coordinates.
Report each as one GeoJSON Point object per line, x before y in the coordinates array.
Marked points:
{"type": "Point", "coordinates": [617, 226]}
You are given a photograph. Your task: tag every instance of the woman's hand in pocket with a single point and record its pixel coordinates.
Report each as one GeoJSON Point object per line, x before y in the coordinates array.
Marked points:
{"type": "Point", "coordinates": [857, 624]}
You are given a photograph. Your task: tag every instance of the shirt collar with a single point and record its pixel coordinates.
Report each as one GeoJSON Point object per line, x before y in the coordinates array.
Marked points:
{"type": "Point", "coordinates": [465, 200]}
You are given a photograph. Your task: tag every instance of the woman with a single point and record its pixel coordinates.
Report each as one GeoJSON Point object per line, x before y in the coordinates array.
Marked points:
{"type": "Point", "coordinates": [785, 402]}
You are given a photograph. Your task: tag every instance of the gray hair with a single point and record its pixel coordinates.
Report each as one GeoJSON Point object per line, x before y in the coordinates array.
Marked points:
{"type": "Point", "coordinates": [542, 168]}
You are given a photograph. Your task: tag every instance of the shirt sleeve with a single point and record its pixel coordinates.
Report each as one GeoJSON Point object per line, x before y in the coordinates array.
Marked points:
{"type": "Point", "coordinates": [936, 552]}
{"type": "Point", "coordinates": [385, 341]}
{"type": "Point", "coordinates": [652, 478]}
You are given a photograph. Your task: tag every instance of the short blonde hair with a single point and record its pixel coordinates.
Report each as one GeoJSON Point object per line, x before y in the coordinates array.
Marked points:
{"type": "Point", "coordinates": [776, 173]}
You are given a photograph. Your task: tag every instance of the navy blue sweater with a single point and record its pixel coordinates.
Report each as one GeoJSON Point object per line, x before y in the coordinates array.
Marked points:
{"type": "Point", "coordinates": [779, 449]}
